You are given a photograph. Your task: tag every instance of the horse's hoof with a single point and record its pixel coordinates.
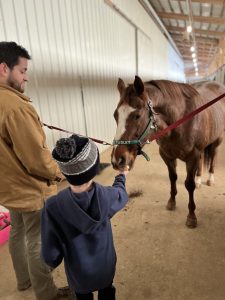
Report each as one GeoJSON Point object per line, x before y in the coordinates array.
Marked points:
{"type": "Point", "coordinates": [191, 222]}
{"type": "Point", "coordinates": [198, 185]}
{"type": "Point", "coordinates": [209, 183]}
{"type": "Point", "coordinates": [171, 205]}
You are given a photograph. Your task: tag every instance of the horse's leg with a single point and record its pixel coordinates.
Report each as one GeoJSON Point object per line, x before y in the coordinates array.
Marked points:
{"type": "Point", "coordinates": [198, 177]}
{"type": "Point", "coordinates": [171, 165]}
{"type": "Point", "coordinates": [191, 167]}
{"type": "Point", "coordinates": [213, 153]}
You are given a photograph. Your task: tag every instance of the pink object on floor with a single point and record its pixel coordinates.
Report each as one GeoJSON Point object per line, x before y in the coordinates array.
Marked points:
{"type": "Point", "coordinates": [4, 227]}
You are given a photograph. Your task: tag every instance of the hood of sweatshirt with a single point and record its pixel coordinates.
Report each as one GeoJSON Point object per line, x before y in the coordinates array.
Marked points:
{"type": "Point", "coordinates": [83, 211]}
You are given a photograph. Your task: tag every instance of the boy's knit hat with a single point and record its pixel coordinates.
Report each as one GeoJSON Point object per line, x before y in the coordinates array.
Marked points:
{"type": "Point", "coordinates": [78, 158]}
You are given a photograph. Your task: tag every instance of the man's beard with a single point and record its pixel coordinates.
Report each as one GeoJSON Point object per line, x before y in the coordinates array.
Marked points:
{"type": "Point", "coordinates": [15, 85]}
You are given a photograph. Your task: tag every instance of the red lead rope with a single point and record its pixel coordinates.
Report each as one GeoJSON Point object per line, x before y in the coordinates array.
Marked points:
{"type": "Point", "coordinates": [63, 130]}
{"type": "Point", "coordinates": [161, 133]}
{"type": "Point", "coordinates": [158, 134]}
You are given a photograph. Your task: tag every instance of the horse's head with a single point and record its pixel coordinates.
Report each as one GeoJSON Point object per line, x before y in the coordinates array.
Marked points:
{"type": "Point", "coordinates": [134, 118]}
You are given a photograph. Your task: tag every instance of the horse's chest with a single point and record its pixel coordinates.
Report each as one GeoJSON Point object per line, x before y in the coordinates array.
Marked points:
{"type": "Point", "coordinates": [175, 148]}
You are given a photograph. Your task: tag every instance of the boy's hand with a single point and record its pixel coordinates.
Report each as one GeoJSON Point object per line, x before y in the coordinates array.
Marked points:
{"type": "Point", "coordinates": [125, 172]}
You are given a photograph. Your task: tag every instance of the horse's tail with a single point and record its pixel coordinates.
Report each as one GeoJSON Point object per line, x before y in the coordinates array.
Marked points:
{"type": "Point", "coordinates": [208, 156]}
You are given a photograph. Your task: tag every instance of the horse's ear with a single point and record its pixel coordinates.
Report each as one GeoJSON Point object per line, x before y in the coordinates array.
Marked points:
{"type": "Point", "coordinates": [121, 86]}
{"type": "Point", "coordinates": [138, 85]}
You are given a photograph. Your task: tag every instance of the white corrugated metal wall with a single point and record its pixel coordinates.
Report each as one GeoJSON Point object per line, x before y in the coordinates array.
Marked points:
{"type": "Point", "coordinates": [79, 49]}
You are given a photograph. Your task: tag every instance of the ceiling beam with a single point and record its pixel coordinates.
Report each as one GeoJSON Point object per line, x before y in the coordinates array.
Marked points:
{"type": "Point", "coordinates": [199, 52]}
{"type": "Point", "coordinates": [199, 58]}
{"type": "Point", "coordinates": [198, 47]}
{"type": "Point", "coordinates": [208, 40]}
{"type": "Point", "coordinates": [212, 20]}
{"type": "Point", "coordinates": [206, 1]}
{"type": "Point", "coordinates": [199, 31]}
{"type": "Point", "coordinates": [199, 55]}
{"type": "Point", "coordinates": [186, 56]}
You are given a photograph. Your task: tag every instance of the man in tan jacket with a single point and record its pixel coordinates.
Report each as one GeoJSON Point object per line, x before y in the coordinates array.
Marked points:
{"type": "Point", "coordinates": [27, 171]}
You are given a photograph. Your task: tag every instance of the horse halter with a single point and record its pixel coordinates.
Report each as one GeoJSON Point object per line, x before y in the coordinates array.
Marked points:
{"type": "Point", "coordinates": [140, 141]}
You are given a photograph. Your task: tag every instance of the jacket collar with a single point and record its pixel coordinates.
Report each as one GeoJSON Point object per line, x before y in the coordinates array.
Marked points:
{"type": "Point", "coordinates": [5, 86]}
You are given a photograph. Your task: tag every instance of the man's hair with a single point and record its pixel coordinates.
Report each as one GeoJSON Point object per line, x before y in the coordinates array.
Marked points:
{"type": "Point", "coordinates": [10, 53]}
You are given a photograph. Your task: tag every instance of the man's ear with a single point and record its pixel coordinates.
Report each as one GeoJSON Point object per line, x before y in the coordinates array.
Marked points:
{"type": "Point", "coordinates": [3, 69]}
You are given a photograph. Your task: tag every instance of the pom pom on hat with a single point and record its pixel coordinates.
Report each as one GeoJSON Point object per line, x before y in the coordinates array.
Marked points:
{"type": "Point", "coordinates": [66, 148]}
{"type": "Point", "coordinates": [78, 158]}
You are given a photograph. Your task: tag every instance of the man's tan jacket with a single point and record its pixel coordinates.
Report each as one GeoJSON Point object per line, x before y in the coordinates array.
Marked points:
{"type": "Point", "coordinates": [27, 169]}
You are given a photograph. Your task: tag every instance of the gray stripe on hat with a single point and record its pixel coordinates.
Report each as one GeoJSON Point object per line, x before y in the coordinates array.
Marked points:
{"type": "Point", "coordinates": [81, 162]}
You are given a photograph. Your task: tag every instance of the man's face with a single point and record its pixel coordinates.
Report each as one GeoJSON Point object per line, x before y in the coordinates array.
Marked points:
{"type": "Point", "coordinates": [17, 77]}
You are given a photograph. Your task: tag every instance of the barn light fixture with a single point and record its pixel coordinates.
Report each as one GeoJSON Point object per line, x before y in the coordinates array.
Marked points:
{"type": "Point", "coordinates": [189, 28]}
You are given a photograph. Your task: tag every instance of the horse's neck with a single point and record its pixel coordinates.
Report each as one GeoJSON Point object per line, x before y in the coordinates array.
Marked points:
{"type": "Point", "coordinates": [165, 110]}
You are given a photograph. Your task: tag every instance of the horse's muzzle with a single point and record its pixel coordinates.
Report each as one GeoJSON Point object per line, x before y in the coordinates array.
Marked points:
{"type": "Point", "coordinates": [122, 160]}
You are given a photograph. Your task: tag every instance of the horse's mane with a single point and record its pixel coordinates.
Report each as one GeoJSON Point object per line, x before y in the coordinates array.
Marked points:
{"type": "Point", "coordinates": [174, 90]}
{"type": "Point", "coordinates": [173, 99]}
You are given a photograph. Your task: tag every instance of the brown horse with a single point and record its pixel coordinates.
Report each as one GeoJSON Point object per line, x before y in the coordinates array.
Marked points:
{"type": "Point", "coordinates": [147, 107]}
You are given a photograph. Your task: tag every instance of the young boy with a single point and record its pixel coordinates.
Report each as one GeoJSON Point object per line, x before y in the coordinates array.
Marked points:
{"type": "Point", "coordinates": [76, 223]}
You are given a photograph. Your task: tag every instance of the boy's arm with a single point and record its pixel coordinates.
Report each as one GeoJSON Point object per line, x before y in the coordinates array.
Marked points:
{"type": "Point", "coordinates": [119, 198]}
{"type": "Point", "coordinates": [51, 249]}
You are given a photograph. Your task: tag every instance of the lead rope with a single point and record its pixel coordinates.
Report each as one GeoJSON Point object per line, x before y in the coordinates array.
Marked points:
{"type": "Point", "coordinates": [63, 130]}
{"type": "Point", "coordinates": [155, 136]}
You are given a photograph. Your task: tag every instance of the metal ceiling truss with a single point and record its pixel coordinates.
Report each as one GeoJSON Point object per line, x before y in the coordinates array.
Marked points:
{"type": "Point", "coordinates": [207, 18]}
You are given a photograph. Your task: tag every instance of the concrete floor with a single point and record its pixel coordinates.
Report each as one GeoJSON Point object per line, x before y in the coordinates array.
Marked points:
{"type": "Point", "coordinates": [159, 258]}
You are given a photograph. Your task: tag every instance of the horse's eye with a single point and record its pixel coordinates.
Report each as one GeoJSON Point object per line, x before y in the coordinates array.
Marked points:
{"type": "Point", "coordinates": [137, 117]}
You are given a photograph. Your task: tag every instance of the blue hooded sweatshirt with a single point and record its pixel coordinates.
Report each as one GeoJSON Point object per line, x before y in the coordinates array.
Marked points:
{"type": "Point", "coordinates": [76, 227]}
